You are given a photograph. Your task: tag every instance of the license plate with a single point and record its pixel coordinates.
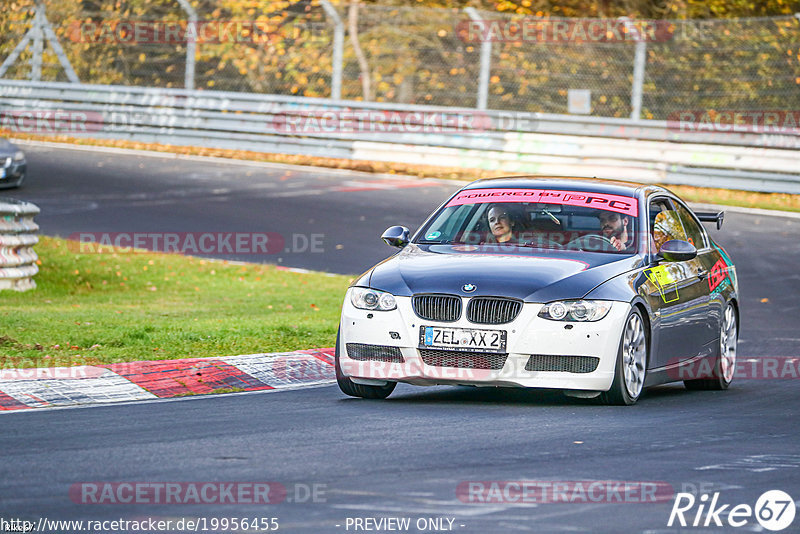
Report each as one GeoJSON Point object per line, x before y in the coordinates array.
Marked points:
{"type": "Point", "coordinates": [464, 339]}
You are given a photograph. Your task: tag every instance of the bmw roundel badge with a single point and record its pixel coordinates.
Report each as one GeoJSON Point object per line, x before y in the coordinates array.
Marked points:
{"type": "Point", "coordinates": [469, 288]}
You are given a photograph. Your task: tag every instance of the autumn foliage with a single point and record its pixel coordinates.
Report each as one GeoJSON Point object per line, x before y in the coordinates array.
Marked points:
{"type": "Point", "coordinates": [710, 55]}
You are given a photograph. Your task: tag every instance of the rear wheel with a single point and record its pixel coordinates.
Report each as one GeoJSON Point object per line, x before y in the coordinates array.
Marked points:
{"type": "Point", "coordinates": [631, 368]}
{"type": "Point", "coordinates": [725, 365]}
{"type": "Point", "coordinates": [364, 391]}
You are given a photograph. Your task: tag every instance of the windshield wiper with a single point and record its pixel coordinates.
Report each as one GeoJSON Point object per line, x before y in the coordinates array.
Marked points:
{"type": "Point", "coordinates": [549, 246]}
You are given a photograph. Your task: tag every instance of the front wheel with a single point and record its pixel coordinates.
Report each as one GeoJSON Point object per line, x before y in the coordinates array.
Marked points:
{"type": "Point", "coordinates": [349, 387]}
{"type": "Point", "coordinates": [725, 365]}
{"type": "Point", "coordinates": [631, 368]}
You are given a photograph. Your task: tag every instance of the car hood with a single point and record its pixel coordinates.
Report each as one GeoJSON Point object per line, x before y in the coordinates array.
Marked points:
{"type": "Point", "coordinates": [7, 147]}
{"type": "Point", "coordinates": [533, 276]}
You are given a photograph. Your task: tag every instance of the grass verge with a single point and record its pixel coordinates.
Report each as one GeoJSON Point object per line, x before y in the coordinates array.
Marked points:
{"type": "Point", "coordinates": [748, 199]}
{"type": "Point", "coordinates": [119, 307]}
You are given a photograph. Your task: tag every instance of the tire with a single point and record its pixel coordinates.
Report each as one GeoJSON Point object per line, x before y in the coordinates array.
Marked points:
{"type": "Point", "coordinates": [725, 364]}
{"type": "Point", "coordinates": [631, 368]}
{"type": "Point", "coordinates": [363, 391]}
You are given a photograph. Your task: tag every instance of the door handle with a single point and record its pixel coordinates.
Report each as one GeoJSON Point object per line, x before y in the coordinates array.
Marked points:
{"type": "Point", "coordinates": [702, 275]}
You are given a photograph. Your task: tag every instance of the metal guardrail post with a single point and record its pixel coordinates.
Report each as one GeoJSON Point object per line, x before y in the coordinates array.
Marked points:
{"type": "Point", "coordinates": [486, 62]}
{"type": "Point", "coordinates": [338, 47]}
{"type": "Point", "coordinates": [639, 62]}
{"type": "Point", "coordinates": [17, 237]}
{"type": "Point", "coordinates": [191, 44]}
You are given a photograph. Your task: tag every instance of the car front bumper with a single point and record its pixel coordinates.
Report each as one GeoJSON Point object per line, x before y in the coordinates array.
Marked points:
{"type": "Point", "coordinates": [555, 345]}
{"type": "Point", "coordinates": [12, 173]}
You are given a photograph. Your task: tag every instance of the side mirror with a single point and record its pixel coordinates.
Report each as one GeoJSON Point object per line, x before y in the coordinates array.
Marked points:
{"type": "Point", "coordinates": [396, 236]}
{"type": "Point", "coordinates": [677, 250]}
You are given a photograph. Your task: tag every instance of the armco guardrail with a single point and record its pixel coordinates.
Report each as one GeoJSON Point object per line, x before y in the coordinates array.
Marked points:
{"type": "Point", "coordinates": [645, 151]}
{"type": "Point", "coordinates": [17, 238]}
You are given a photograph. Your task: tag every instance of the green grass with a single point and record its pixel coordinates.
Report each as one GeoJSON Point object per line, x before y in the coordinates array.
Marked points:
{"type": "Point", "coordinates": [118, 307]}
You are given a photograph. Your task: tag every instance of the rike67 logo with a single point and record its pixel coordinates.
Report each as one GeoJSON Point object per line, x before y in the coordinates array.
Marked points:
{"type": "Point", "coordinates": [774, 510]}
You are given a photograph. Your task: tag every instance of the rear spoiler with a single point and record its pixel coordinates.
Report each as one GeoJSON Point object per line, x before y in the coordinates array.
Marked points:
{"type": "Point", "coordinates": [710, 216]}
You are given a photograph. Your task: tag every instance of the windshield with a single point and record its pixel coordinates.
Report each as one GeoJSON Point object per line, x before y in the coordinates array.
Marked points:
{"type": "Point", "coordinates": [536, 218]}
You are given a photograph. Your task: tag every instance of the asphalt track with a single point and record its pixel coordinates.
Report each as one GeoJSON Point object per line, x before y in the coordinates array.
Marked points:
{"type": "Point", "coordinates": [404, 457]}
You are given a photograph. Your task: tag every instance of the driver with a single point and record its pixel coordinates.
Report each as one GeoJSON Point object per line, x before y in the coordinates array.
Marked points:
{"type": "Point", "coordinates": [614, 227]}
{"type": "Point", "coordinates": [500, 223]}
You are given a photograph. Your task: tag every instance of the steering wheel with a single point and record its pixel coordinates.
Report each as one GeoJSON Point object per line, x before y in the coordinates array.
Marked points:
{"type": "Point", "coordinates": [582, 242]}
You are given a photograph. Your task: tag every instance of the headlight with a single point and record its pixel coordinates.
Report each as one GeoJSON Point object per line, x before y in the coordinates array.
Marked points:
{"type": "Point", "coordinates": [372, 299]}
{"type": "Point", "coordinates": [575, 310]}
{"type": "Point", "coordinates": [19, 155]}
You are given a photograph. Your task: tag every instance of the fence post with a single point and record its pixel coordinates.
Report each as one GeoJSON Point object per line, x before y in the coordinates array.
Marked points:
{"type": "Point", "coordinates": [639, 62]}
{"type": "Point", "coordinates": [486, 61]}
{"type": "Point", "coordinates": [38, 43]}
{"type": "Point", "coordinates": [191, 44]}
{"type": "Point", "coordinates": [338, 46]}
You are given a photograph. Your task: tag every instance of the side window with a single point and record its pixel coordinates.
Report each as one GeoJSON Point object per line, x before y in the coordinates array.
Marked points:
{"type": "Point", "coordinates": [662, 223]}
{"type": "Point", "coordinates": [665, 223]}
{"type": "Point", "coordinates": [694, 234]}
{"type": "Point", "coordinates": [656, 207]}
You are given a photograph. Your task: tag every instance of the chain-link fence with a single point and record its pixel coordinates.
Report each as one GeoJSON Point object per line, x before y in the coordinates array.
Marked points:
{"type": "Point", "coordinates": [413, 55]}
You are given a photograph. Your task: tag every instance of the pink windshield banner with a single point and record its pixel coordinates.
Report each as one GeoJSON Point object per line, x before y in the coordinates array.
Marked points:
{"type": "Point", "coordinates": [602, 201]}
